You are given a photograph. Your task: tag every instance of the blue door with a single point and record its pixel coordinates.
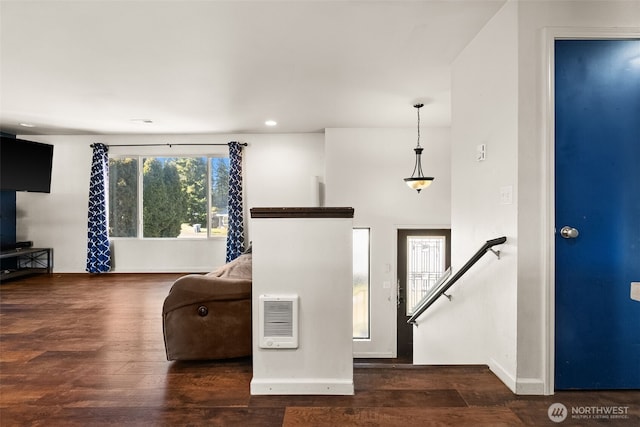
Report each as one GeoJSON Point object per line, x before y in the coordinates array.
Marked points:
{"type": "Point", "coordinates": [597, 169]}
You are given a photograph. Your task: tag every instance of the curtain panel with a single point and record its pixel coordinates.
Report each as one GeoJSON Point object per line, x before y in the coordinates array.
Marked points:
{"type": "Point", "coordinates": [235, 231]}
{"type": "Point", "coordinates": [98, 250]}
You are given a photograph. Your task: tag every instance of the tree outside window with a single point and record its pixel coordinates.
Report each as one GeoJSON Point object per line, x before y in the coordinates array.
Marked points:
{"type": "Point", "coordinates": [123, 197]}
{"type": "Point", "coordinates": [174, 198]}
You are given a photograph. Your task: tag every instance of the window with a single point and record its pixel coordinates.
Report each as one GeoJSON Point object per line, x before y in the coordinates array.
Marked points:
{"type": "Point", "coordinates": [168, 197]}
{"type": "Point", "coordinates": [426, 262]}
{"type": "Point", "coordinates": [361, 283]}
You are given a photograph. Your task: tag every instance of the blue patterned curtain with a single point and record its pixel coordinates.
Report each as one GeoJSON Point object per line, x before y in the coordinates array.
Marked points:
{"type": "Point", "coordinates": [235, 232]}
{"type": "Point", "coordinates": [98, 252]}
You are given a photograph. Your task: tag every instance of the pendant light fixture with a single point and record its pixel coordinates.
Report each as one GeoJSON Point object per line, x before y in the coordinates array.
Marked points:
{"type": "Point", "coordinates": [418, 181]}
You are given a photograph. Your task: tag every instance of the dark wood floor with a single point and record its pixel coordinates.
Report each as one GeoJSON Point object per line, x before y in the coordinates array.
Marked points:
{"type": "Point", "coordinates": [88, 351]}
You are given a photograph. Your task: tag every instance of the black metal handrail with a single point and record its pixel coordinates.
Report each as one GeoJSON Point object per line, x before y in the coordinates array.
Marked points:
{"type": "Point", "coordinates": [438, 291]}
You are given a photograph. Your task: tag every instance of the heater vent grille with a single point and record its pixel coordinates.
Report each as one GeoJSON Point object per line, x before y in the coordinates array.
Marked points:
{"type": "Point", "coordinates": [278, 318]}
{"type": "Point", "coordinates": [279, 321]}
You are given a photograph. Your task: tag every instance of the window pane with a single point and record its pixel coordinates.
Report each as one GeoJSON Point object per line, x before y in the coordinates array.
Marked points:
{"type": "Point", "coordinates": [123, 197]}
{"type": "Point", "coordinates": [360, 283]}
{"type": "Point", "coordinates": [425, 264]}
{"type": "Point", "coordinates": [173, 204]}
{"type": "Point", "coordinates": [193, 184]}
{"type": "Point", "coordinates": [219, 196]}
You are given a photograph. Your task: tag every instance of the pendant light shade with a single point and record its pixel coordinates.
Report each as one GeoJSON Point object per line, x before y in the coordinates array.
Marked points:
{"type": "Point", "coordinates": [418, 181]}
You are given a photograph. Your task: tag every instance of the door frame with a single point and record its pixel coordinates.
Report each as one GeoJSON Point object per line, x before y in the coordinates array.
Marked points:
{"type": "Point", "coordinates": [394, 268]}
{"type": "Point", "coordinates": [407, 232]}
{"type": "Point", "coordinates": [547, 126]}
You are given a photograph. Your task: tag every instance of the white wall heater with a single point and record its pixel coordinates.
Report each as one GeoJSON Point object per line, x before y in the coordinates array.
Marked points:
{"type": "Point", "coordinates": [278, 321]}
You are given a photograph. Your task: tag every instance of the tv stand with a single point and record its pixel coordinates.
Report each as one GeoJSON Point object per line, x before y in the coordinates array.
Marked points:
{"type": "Point", "coordinates": [28, 261]}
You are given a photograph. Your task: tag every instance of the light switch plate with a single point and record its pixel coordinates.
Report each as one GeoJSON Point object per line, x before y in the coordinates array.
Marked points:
{"type": "Point", "coordinates": [481, 152]}
{"type": "Point", "coordinates": [506, 195]}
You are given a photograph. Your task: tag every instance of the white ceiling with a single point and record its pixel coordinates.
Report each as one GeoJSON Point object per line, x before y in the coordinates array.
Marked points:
{"type": "Point", "coordinates": [193, 67]}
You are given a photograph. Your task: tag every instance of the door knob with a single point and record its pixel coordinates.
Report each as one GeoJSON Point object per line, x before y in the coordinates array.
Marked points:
{"type": "Point", "coordinates": [569, 232]}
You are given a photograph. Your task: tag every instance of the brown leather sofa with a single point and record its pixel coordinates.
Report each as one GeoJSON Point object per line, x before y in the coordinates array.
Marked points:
{"type": "Point", "coordinates": [209, 316]}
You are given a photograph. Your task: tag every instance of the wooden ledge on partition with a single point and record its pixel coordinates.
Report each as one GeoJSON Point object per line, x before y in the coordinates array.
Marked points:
{"type": "Point", "coordinates": [302, 212]}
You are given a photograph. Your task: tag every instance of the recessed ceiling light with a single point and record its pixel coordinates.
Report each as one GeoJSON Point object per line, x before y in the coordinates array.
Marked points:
{"type": "Point", "coordinates": [270, 123]}
{"type": "Point", "coordinates": [143, 121]}
{"type": "Point", "coordinates": [27, 125]}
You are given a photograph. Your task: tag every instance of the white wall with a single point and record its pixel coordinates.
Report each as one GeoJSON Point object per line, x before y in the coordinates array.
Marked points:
{"type": "Point", "coordinates": [364, 170]}
{"type": "Point", "coordinates": [310, 258]}
{"type": "Point", "coordinates": [277, 167]}
{"type": "Point", "coordinates": [479, 325]}
{"type": "Point", "coordinates": [59, 219]}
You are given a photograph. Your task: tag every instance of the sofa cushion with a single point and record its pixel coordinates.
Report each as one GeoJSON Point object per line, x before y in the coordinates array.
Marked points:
{"type": "Point", "coordinates": [238, 268]}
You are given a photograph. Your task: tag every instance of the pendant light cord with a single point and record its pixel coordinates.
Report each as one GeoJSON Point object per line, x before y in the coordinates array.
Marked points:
{"type": "Point", "coordinates": [418, 127]}
{"type": "Point", "coordinates": [418, 106]}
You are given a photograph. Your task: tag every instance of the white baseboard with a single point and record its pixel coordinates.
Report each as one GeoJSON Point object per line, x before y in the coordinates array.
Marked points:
{"type": "Point", "coordinates": [300, 386]}
{"type": "Point", "coordinates": [502, 374]}
{"type": "Point", "coordinates": [181, 270]}
{"type": "Point", "coordinates": [523, 386]}
{"type": "Point", "coordinates": [530, 386]}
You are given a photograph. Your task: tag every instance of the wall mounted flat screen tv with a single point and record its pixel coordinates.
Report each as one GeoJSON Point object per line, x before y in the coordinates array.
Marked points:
{"type": "Point", "coordinates": [25, 165]}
